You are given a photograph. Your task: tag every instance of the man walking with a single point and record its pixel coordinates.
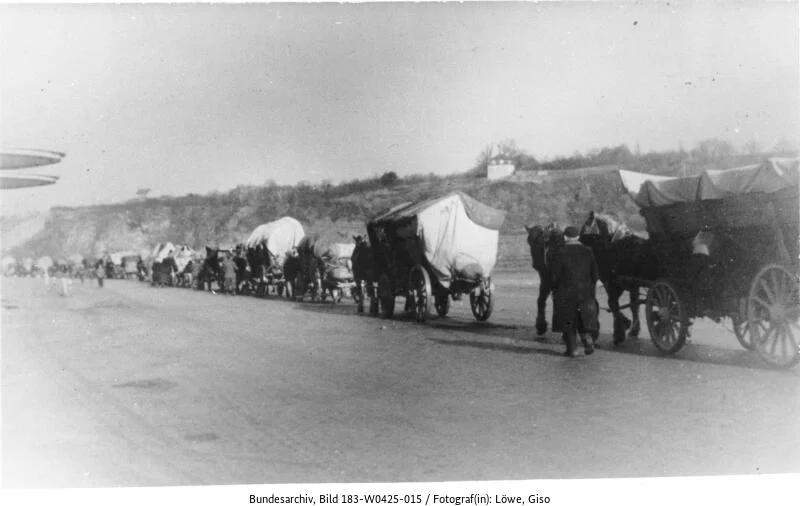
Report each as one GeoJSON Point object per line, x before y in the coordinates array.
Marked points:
{"type": "Point", "coordinates": [573, 274]}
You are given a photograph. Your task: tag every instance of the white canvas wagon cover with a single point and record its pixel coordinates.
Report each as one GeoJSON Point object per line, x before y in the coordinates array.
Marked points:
{"type": "Point", "coordinates": [279, 236]}
{"type": "Point", "coordinates": [183, 255]}
{"type": "Point", "coordinates": [118, 256]}
{"type": "Point", "coordinates": [770, 176]}
{"type": "Point", "coordinates": [332, 252]}
{"type": "Point", "coordinates": [162, 251]}
{"type": "Point", "coordinates": [44, 262]}
{"type": "Point", "coordinates": [457, 233]}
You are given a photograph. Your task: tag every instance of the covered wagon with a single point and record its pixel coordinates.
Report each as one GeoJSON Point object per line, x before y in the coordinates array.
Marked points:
{"type": "Point", "coordinates": [435, 250]}
{"type": "Point", "coordinates": [727, 244]}
{"type": "Point", "coordinates": [267, 249]}
{"type": "Point", "coordinates": [325, 268]}
{"type": "Point", "coordinates": [163, 270]}
{"type": "Point", "coordinates": [185, 258]}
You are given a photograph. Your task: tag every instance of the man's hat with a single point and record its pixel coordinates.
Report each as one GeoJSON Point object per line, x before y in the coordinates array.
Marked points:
{"type": "Point", "coordinates": [571, 232]}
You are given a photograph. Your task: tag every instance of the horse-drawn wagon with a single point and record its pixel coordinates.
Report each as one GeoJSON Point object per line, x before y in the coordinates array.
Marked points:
{"type": "Point", "coordinates": [268, 248]}
{"type": "Point", "coordinates": [325, 268]}
{"type": "Point", "coordinates": [726, 244]}
{"type": "Point", "coordinates": [163, 270]}
{"type": "Point", "coordinates": [436, 250]}
{"type": "Point", "coordinates": [131, 266]}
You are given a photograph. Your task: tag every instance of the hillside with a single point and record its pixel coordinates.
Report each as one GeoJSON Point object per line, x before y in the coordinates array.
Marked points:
{"type": "Point", "coordinates": [229, 218]}
{"type": "Point", "coordinates": [337, 212]}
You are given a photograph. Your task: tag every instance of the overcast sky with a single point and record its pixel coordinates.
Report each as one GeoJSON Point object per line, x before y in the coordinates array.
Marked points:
{"type": "Point", "coordinates": [193, 98]}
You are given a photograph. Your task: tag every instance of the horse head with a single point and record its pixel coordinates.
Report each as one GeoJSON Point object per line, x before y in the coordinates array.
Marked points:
{"type": "Point", "coordinates": [541, 239]}
{"type": "Point", "coordinates": [601, 229]}
{"type": "Point", "coordinates": [535, 235]}
{"type": "Point", "coordinates": [554, 235]}
{"type": "Point", "coordinates": [361, 260]}
{"type": "Point", "coordinates": [590, 228]}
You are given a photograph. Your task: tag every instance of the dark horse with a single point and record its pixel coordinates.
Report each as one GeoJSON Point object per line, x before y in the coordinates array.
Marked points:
{"type": "Point", "coordinates": [364, 275]}
{"type": "Point", "coordinates": [543, 242]}
{"type": "Point", "coordinates": [260, 261]}
{"type": "Point", "coordinates": [211, 270]}
{"type": "Point", "coordinates": [622, 258]}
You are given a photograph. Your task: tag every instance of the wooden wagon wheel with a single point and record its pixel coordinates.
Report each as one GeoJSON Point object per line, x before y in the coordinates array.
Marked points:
{"type": "Point", "coordinates": [667, 318]}
{"type": "Point", "coordinates": [419, 291]}
{"type": "Point", "coordinates": [481, 301]}
{"type": "Point", "coordinates": [385, 296]}
{"type": "Point", "coordinates": [773, 315]}
{"type": "Point", "coordinates": [741, 328]}
{"type": "Point", "coordinates": [442, 303]}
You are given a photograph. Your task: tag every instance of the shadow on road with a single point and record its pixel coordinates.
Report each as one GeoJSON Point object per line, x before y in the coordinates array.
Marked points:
{"type": "Point", "coordinates": [511, 348]}
{"type": "Point", "coordinates": [526, 340]}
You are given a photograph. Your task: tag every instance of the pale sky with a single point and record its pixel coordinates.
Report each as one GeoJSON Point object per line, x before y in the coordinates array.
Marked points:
{"type": "Point", "coordinates": [194, 98]}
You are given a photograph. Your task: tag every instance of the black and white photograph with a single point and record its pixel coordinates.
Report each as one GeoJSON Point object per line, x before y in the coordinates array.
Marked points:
{"type": "Point", "coordinates": [265, 245]}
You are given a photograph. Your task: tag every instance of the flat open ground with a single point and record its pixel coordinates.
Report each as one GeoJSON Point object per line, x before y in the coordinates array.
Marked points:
{"type": "Point", "coordinates": [136, 386]}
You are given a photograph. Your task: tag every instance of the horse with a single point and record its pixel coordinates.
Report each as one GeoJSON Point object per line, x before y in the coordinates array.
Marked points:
{"type": "Point", "coordinates": [364, 275]}
{"type": "Point", "coordinates": [260, 262]}
{"type": "Point", "coordinates": [543, 243]}
{"type": "Point", "coordinates": [621, 255]}
{"type": "Point", "coordinates": [291, 273]}
{"type": "Point", "coordinates": [210, 270]}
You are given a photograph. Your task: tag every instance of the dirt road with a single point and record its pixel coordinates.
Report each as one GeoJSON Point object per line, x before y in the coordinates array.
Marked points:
{"type": "Point", "coordinates": [136, 386]}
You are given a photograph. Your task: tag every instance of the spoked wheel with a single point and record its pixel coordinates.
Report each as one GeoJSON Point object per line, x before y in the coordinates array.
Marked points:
{"type": "Point", "coordinates": [667, 319]}
{"type": "Point", "coordinates": [385, 296]}
{"type": "Point", "coordinates": [742, 330]}
{"type": "Point", "coordinates": [442, 303]}
{"type": "Point", "coordinates": [420, 292]}
{"type": "Point", "coordinates": [481, 301]}
{"type": "Point", "coordinates": [773, 315]}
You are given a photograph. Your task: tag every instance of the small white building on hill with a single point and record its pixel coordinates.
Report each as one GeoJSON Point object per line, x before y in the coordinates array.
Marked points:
{"type": "Point", "coordinates": [500, 167]}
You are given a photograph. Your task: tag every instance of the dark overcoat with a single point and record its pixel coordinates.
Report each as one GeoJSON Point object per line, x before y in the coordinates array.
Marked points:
{"type": "Point", "coordinates": [574, 275]}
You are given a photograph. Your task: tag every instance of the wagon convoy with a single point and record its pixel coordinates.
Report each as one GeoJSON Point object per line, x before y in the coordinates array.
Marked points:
{"type": "Point", "coordinates": [719, 245]}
